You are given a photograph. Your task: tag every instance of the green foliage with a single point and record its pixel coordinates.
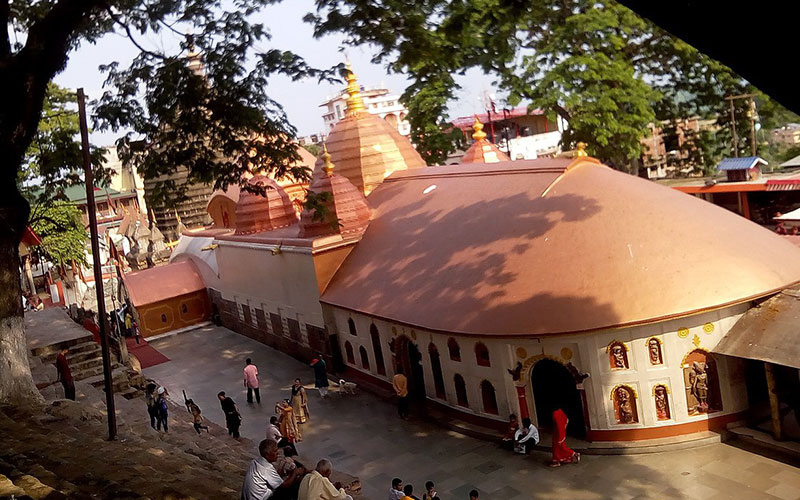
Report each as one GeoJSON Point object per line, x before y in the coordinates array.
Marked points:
{"type": "Point", "coordinates": [314, 149]}
{"type": "Point", "coordinates": [60, 226]}
{"type": "Point", "coordinates": [319, 204]}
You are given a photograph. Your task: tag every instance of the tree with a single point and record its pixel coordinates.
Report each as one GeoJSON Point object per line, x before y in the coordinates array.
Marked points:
{"type": "Point", "coordinates": [64, 237]}
{"type": "Point", "coordinates": [204, 106]}
{"type": "Point", "coordinates": [597, 64]}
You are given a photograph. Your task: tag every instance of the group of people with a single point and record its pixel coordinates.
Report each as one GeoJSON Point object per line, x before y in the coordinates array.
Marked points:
{"type": "Point", "coordinates": [156, 399]}
{"type": "Point", "coordinates": [522, 439]}
{"type": "Point", "coordinates": [32, 302]}
{"type": "Point", "coordinates": [400, 491]}
{"type": "Point", "coordinates": [276, 474]}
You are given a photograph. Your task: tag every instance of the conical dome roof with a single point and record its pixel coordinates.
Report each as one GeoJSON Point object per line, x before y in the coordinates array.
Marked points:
{"type": "Point", "coordinates": [482, 151]}
{"type": "Point", "coordinates": [366, 148]}
{"type": "Point", "coordinates": [257, 212]}
{"type": "Point", "coordinates": [348, 212]}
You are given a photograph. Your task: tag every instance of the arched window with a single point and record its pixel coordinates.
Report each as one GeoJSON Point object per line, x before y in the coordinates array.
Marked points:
{"type": "Point", "coordinates": [364, 358]}
{"type": "Point", "coordinates": [661, 397]}
{"type": "Point", "coordinates": [702, 383]}
{"type": "Point", "coordinates": [489, 398]}
{"type": "Point", "coordinates": [482, 354]}
{"type": "Point", "coordinates": [352, 326]}
{"type": "Point", "coordinates": [376, 349]}
{"type": "Point", "coordinates": [455, 350]}
{"type": "Point", "coordinates": [436, 368]}
{"type": "Point", "coordinates": [617, 355]}
{"type": "Point", "coordinates": [654, 351]}
{"type": "Point", "coordinates": [348, 350]}
{"type": "Point", "coordinates": [461, 391]}
{"type": "Point", "coordinates": [624, 399]}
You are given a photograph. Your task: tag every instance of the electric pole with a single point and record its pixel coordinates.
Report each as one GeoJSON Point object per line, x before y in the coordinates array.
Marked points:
{"type": "Point", "coordinates": [751, 114]}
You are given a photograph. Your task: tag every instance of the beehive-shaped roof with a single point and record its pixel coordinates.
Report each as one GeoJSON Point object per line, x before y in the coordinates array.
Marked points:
{"type": "Point", "coordinates": [366, 148]}
{"type": "Point", "coordinates": [347, 209]}
{"type": "Point", "coordinates": [482, 151]}
{"type": "Point", "coordinates": [269, 207]}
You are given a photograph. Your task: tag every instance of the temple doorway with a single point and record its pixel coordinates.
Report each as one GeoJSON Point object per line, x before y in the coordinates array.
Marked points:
{"type": "Point", "coordinates": [408, 357]}
{"type": "Point", "coordinates": [554, 387]}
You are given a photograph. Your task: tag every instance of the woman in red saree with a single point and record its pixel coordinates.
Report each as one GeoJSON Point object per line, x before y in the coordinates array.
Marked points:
{"type": "Point", "coordinates": [562, 454]}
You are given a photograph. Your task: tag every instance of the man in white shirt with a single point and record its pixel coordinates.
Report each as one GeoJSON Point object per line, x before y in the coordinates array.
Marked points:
{"type": "Point", "coordinates": [318, 486]}
{"type": "Point", "coordinates": [526, 437]}
{"type": "Point", "coordinates": [262, 479]}
{"type": "Point", "coordinates": [273, 432]}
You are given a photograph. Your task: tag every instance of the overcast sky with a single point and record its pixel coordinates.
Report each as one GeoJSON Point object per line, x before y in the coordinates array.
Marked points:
{"type": "Point", "coordinates": [301, 100]}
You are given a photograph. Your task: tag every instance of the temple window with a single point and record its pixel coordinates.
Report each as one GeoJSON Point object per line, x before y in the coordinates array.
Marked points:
{"type": "Point", "coordinates": [661, 398]}
{"type": "Point", "coordinates": [455, 350]}
{"type": "Point", "coordinates": [654, 351]}
{"type": "Point", "coordinates": [489, 397]}
{"type": "Point", "coordinates": [701, 382]}
{"type": "Point", "coordinates": [376, 349]}
{"type": "Point", "coordinates": [364, 358]}
{"type": "Point", "coordinates": [436, 368]}
{"type": "Point", "coordinates": [618, 355]}
{"type": "Point", "coordinates": [348, 350]}
{"type": "Point", "coordinates": [482, 354]}
{"type": "Point", "coordinates": [624, 398]}
{"type": "Point", "coordinates": [352, 326]}
{"type": "Point", "coordinates": [461, 391]}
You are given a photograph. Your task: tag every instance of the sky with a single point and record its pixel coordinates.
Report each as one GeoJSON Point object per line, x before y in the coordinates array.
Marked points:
{"type": "Point", "coordinates": [301, 99]}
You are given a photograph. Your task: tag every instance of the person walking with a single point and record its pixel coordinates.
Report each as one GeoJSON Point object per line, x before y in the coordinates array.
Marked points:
{"type": "Point", "coordinates": [400, 383]}
{"type": "Point", "coordinates": [251, 381]}
{"type": "Point", "coordinates": [318, 486]}
{"type": "Point", "coordinates": [299, 402]}
{"type": "Point", "coordinates": [162, 409]}
{"type": "Point", "coordinates": [562, 454]}
{"type": "Point", "coordinates": [320, 375]}
{"type": "Point", "coordinates": [150, 398]}
{"type": "Point", "coordinates": [197, 417]}
{"type": "Point", "coordinates": [233, 419]}
{"type": "Point", "coordinates": [65, 374]}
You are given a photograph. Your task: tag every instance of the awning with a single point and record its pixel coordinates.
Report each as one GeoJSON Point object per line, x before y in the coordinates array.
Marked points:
{"type": "Point", "coordinates": [783, 184]}
{"type": "Point", "coordinates": [768, 332]}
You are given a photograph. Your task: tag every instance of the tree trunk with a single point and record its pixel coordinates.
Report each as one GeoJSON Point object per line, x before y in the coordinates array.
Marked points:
{"type": "Point", "coordinates": [16, 382]}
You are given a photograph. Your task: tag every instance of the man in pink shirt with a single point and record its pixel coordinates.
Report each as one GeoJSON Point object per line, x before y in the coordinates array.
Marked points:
{"type": "Point", "coordinates": [251, 381]}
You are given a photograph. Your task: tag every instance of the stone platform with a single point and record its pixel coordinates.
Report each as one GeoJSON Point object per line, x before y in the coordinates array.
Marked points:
{"type": "Point", "coordinates": [50, 330]}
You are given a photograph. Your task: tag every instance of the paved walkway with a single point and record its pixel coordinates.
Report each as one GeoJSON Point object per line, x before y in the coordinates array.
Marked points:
{"type": "Point", "coordinates": [363, 436]}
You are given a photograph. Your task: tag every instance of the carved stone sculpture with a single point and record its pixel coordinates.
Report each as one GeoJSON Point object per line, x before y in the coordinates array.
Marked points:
{"type": "Point", "coordinates": [654, 349]}
{"type": "Point", "coordinates": [618, 356]}
{"type": "Point", "coordinates": [698, 380]}
{"type": "Point", "coordinates": [662, 406]}
{"type": "Point", "coordinates": [624, 406]}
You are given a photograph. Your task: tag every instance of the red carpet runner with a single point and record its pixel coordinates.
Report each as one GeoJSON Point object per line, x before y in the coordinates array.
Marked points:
{"type": "Point", "coordinates": [145, 353]}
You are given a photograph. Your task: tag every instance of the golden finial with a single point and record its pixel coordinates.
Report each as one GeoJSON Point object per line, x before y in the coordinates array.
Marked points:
{"type": "Point", "coordinates": [581, 149]}
{"type": "Point", "coordinates": [479, 134]}
{"type": "Point", "coordinates": [355, 104]}
{"type": "Point", "coordinates": [177, 217]}
{"type": "Point", "coordinates": [326, 157]}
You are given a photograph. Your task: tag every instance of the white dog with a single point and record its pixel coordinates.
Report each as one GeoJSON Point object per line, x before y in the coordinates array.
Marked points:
{"type": "Point", "coordinates": [347, 387]}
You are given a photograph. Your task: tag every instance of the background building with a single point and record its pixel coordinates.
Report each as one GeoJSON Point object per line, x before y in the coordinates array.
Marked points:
{"type": "Point", "coordinates": [378, 101]}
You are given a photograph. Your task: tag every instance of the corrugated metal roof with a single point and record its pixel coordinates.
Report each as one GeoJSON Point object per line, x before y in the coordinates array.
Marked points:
{"type": "Point", "coordinates": [744, 163]}
{"type": "Point", "coordinates": [767, 332]}
{"type": "Point", "coordinates": [794, 162]}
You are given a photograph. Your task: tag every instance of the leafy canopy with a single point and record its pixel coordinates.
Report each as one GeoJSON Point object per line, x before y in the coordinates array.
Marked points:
{"type": "Point", "coordinates": [60, 226]}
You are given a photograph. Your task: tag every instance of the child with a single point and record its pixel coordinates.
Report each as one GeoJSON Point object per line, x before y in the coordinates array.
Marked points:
{"type": "Point", "coordinates": [197, 418]}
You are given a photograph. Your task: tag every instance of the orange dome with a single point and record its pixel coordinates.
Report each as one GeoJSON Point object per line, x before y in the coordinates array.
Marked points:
{"type": "Point", "coordinates": [256, 212]}
{"type": "Point", "coordinates": [482, 151]}
{"type": "Point", "coordinates": [347, 204]}
{"type": "Point", "coordinates": [366, 148]}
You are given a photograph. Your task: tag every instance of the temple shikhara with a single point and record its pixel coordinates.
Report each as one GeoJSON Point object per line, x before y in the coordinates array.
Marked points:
{"type": "Point", "coordinates": [500, 287]}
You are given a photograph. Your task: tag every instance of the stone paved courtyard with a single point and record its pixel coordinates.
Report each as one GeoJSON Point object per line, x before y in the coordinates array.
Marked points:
{"type": "Point", "coordinates": [363, 436]}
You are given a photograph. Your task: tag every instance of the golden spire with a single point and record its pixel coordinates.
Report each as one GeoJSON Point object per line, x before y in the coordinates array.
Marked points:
{"type": "Point", "coordinates": [326, 157]}
{"type": "Point", "coordinates": [177, 217]}
{"type": "Point", "coordinates": [581, 149]}
{"type": "Point", "coordinates": [355, 104]}
{"type": "Point", "coordinates": [479, 134]}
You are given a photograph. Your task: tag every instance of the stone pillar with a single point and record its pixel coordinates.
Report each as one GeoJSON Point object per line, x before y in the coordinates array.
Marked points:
{"type": "Point", "coordinates": [774, 402]}
{"type": "Point", "coordinates": [523, 403]}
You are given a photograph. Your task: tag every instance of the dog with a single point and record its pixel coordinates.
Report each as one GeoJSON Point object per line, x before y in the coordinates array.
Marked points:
{"type": "Point", "coordinates": [347, 387]}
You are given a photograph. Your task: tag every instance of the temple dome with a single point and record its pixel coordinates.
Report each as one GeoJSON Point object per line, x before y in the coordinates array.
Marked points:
{"type": "Point", "coordinates": [346, 205]}
{"type": "Point", "coordinates": [257, 212]}
{"type": "Point", "coordinates": [482, 151]}
{"type": "Point", "coordinates": [551, 246]}
{"type": "Point", "coordinates": [365, 147]}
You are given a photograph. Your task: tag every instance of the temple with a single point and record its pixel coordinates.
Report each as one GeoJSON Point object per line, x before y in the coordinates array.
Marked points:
{"type": "Point", "coordinates": [500, 287]}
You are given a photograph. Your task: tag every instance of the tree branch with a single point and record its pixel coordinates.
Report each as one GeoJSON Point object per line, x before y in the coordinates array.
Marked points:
{"type": "Point", "coordinates": [129, 34]}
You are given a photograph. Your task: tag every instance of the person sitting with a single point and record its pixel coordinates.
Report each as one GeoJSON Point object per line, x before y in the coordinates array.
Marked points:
{"type": "Point", "coordinates": [526, 437]}
{"type": "Point", "coordinates": [317, 485]}
{"type": "Point", "coordinates": [508, 437]}
{"type": "Point", "coordinates": [262, 479]}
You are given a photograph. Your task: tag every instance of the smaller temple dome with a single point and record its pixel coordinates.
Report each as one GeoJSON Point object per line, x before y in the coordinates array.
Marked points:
{"type": "Point", "coordinates": [268, 209]}
{"type": "Point", "coordinates": [482, 151]}
{"type": "Point", "coordinates": [348, 211]}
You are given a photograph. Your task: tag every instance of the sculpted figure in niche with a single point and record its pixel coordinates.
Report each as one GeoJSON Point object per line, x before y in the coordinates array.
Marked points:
{"type": "Point", "coordinates": [625, 410]}
{"type": "Point", "coordinates": [698, 380]}
{"type": "Point", "coordinates": [654, 348]}
{"type": "Point", "coordinates": [662, 405]}
{"type": "Point", "coordinates": [619, 358]}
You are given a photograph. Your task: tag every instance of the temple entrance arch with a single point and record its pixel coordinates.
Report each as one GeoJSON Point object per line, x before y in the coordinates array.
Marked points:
{"type": "Point", "coordinates": [406, 354]}
{"type": "Point", "coordinates": [554, 387]}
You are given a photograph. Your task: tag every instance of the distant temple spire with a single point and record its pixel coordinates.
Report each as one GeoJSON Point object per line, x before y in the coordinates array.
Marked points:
{"type": "Point", "coordinates": [479, 134]}
{"type": "Point", "coordinates": [355, 104]}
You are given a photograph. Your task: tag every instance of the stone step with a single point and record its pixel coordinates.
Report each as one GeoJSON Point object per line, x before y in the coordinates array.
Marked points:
{"type": "Point", "coordinates": [77, 353]}
{"type": "Point", "coordinates": [55, 348]}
